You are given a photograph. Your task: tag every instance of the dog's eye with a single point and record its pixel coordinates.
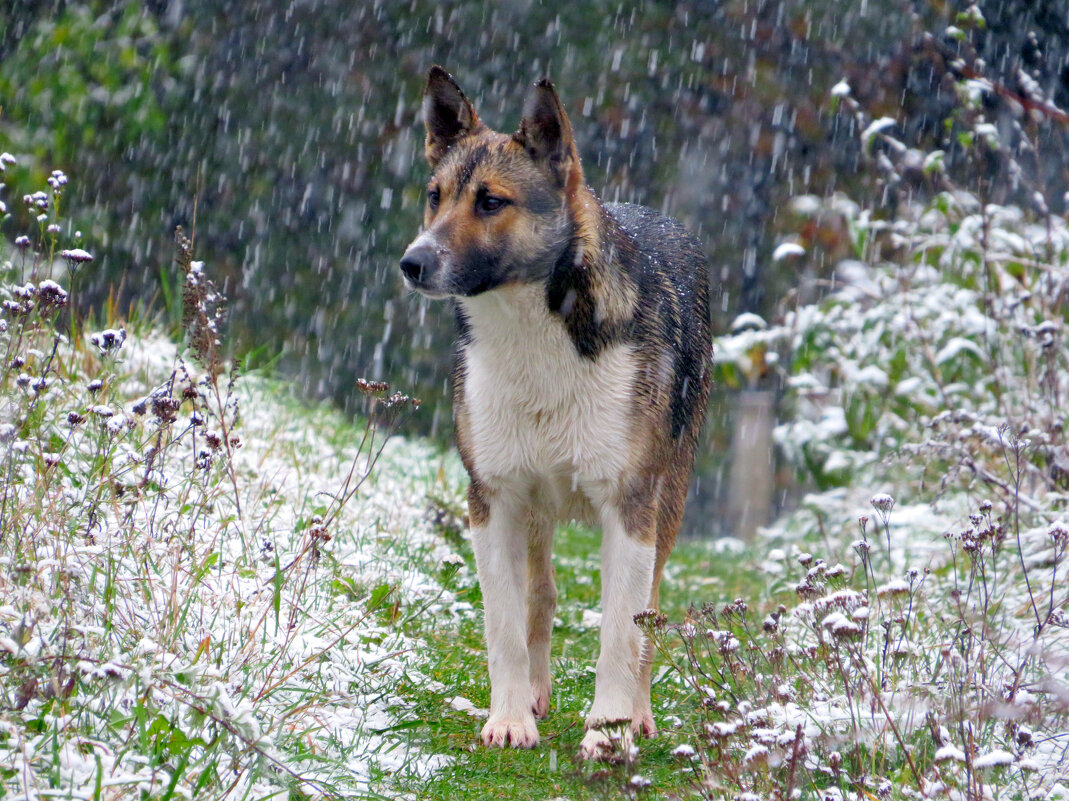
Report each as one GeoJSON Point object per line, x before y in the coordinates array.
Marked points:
{"type": "Point", "coordinates": [434, 197]}
{"type": "Point", "coordinates": [488, 204]}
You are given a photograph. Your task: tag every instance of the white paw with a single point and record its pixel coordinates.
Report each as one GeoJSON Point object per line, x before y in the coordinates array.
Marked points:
{"type": "Point", "coordinates": [614, 741]}
{"type": "Point", "coordinates": [519, 731]}
{"type": "Point", "coordinates": [540, 689]}
{"type": "Point", "coordinates": [642, 721]}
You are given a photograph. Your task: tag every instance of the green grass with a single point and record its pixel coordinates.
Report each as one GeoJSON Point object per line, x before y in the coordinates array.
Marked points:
{"type": "Point", "coordinates": [457, 659]}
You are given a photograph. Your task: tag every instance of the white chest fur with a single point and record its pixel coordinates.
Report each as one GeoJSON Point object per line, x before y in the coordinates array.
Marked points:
{"type": "Point", "coordinates": [539, 410]}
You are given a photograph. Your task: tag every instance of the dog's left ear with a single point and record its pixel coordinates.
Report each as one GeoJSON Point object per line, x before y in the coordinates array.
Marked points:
{"type": "Point", "coordinates": [447, 113]}
{"type": "Point", "coordinates": [546, 134]}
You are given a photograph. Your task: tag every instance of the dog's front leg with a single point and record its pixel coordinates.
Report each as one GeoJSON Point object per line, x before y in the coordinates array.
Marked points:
{"type": "Point", "coordinates": [626, 578]}
{"type": "Point", "coordinates": [501, 560]}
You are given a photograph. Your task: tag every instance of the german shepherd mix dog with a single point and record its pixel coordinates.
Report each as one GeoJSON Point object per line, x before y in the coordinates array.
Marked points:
{"type": "Point", "coordinates": [579, 388]}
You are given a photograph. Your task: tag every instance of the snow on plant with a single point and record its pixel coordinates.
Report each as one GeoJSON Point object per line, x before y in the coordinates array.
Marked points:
{"type": "Point", "coordinates": [182, 612]}
{"type": "Point", "coordinates": [925, 651]}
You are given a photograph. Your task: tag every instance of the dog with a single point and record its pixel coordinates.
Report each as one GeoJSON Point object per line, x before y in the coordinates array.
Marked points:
{"type": "Point", "coordinates": [580, 381]}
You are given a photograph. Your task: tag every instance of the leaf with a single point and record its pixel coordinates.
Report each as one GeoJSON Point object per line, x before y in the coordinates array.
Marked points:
{"type": "Point", "coordinates": [379, 596]}
{"type": "Point", "coordinates": [958, 346]}
{"type": "Point", "coordinates": [209, 562]}
{"type": "Point", "coordinates": [203, 648]}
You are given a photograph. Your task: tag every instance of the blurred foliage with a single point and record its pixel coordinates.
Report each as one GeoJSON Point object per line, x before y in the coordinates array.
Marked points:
{"type": "Point", "coordinates": [286, 137]}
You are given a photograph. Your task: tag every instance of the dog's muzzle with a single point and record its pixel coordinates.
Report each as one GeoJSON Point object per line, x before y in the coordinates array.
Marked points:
{"type": "Point", "coordinates": [420, 264]}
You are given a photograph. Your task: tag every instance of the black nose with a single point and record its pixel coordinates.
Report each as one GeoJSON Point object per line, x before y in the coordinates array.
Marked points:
{"type": "Point", "coordinates": [419, 264]}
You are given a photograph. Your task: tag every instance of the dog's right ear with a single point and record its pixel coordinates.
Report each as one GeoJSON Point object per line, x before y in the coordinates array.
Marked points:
{"type": "Point", "coordinates": [448, 115]}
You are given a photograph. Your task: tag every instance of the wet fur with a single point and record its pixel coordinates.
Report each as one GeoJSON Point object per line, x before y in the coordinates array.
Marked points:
{"type": "Point", "coordinates": [580, 383]}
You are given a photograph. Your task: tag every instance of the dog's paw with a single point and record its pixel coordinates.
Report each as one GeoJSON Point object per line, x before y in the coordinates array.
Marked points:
{"type": "Point", "coordinates": [642, 722]}
{"type": "Point", "coordinates": [541, 692]}
{"type": "Point", "coordinates": [518, 731]}
{"type": "Point", "coordinates": [614, 742]}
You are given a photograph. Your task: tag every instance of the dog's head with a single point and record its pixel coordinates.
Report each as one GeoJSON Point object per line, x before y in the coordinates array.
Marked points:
{"type": "Point", "coordinates": [500, 208]}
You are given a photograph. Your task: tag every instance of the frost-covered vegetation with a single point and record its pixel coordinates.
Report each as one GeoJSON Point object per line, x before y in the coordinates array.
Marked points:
{"type": "Point", "coordinates": [195, 600]}
{"type": "Point", "coordinates": [921, 644]}
{"type": "Point", "coordinates": [209, 590]}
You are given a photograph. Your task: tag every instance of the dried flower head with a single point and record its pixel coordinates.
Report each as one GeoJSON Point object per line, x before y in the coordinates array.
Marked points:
{"type": "Point", "coordinates": [808, 591]}
{"type": "Point", "coordinates": [882, 503]}
{"type": "Point", "coordinates": [51, 297]}
{"type": "Point", "coordinates": [108, 341]}
{"type": "Point", "coordinates": [372, 387]}
{"type": "Point", "coordinates": [165, 408]}
{"type": "Point", "coordinates": [76, 256]}
{"type": "Point", "coordinates": [203, 307]}
{"type": "Point", "coordinates": [651, 620]}
{"type": "Point", "coordinates": [1059, 533]}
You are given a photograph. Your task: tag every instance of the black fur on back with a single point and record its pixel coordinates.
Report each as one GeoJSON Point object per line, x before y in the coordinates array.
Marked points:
{"type": "Point", "coordinates": [665, 270]}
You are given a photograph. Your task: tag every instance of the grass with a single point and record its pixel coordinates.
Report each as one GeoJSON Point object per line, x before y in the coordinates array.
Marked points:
{"type": "Point", "coordinates": [865, 677]}
{"type": "Point", "coordinates": [457, 663]}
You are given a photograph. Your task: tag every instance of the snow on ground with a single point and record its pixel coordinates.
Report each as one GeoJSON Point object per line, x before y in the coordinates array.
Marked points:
{"type": "Point", "coordinates": [229, 614]}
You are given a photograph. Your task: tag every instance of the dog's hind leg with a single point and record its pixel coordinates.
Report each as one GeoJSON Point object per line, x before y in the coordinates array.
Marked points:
{"type": "Point", "coordinates": [541, 606]}
{"type": "Point", "coordinates": [501, 546]}
{"type": "Point", "coordinates": [642, 715]}
{"type": "Point", "coordinates": [627, 562]}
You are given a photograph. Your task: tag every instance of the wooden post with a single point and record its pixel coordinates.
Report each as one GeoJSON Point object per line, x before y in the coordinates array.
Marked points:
{"type": "Point", "coordinates": [752, 463]}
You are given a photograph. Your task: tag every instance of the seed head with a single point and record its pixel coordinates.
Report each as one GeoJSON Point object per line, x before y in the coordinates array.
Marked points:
{"type": "Point", "coordinates": [108, 341]}
{"type": "Point", "coordinates": [882, 503]}
{"type": "Point", "coordinates": [76, 256]}
{"type": "Point", "coordinates": [1059, 533]}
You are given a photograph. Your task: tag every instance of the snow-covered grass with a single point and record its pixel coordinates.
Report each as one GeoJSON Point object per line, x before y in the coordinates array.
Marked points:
{"type": "Point", "coordinates": [914, 639]}
{"type": "Point", "coordinates": [202, 580]}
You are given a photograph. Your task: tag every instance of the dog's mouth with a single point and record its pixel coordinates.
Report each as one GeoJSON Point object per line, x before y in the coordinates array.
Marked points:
{"type": "Point", "coordinates": [432, 293]}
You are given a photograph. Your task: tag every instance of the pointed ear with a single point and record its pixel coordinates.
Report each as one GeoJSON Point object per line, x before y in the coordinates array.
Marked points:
{"type": "Point", "coordinates": [546, 133]}
{"type": "Point", "coordinates": [448, 115]}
